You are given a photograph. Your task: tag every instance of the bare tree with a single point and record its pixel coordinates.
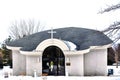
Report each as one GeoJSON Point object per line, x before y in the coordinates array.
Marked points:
{"type": "Point", "coordinates": [22, 28]}
{"type": "Point", "coordinates": [116, 52]}
{"type": "Point", "coordinates": [111, 8]}
{"type": "Point", "coordinates": [113, 31]}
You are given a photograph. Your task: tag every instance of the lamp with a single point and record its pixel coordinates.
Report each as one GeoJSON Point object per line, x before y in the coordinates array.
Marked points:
{"type": "Point", "coordinates": [68, 62]}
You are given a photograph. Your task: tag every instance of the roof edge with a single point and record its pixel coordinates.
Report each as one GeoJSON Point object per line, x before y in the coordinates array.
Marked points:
{"type": "Point", "coordinates": [13, 48]}
{"type": "Point", "coordinates": [91, 47]}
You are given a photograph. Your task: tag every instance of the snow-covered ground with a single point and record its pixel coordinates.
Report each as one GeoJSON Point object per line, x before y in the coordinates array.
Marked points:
{"type": "Point", "coordinates": [58, 78]}
{"type": "Point", "coordinates": [115, 76]}
{"type": "Point", "coordinates": [116, 71]}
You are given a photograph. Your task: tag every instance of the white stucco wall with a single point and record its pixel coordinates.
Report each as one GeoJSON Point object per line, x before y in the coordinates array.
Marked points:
{"type": "Point", "coordinates": [81, 63]}
{"type": "Point", "coordinates": [76, 65]}
{"type": "Point", "coordinates": [91, 64]}
{"type": "Point", "coordinates": [19, 63]}
{"type": "Point", "coordinates": [33, 63]}
{"type": "Point", "coordinates": [75, 69]}
{"type": "Point", "coordinates": [95, 63]}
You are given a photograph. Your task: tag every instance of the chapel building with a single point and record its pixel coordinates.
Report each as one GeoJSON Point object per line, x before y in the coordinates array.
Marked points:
{"type": "Point", "coordinates": [70, 51]}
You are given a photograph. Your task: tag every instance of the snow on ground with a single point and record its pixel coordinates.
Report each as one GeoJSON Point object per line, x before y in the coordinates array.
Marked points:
{"type": "Point", "coordinates": [116, 71]}
{"type": "Point", "coordinates": [58, 78]}
{"type": "Point", "coordinates": [115, 76]}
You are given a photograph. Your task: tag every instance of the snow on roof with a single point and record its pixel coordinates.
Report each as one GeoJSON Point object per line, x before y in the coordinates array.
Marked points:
{"type": "Point", "coordinates": [70, 45]}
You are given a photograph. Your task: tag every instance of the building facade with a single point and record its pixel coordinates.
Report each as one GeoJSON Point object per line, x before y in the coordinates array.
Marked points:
{"type": "Point", "coordinates": [71, 51]}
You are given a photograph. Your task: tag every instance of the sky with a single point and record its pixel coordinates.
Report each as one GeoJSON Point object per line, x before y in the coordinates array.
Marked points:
{"type": "Point", "coordinates": [57, 13]}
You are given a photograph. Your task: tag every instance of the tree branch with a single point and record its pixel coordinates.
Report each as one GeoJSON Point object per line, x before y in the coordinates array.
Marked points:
{"type": "Point", "coordinates": [113, 7]}
{"type": "Point", "coordinates": [22, 28]}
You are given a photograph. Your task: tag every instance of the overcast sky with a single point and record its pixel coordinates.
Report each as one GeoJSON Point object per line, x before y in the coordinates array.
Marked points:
{"type": "Point", "coordinates": [57, 13]}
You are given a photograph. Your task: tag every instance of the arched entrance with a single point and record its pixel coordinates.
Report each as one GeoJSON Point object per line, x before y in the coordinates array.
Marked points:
{"type": "Point", "coordinates": [53, 61]}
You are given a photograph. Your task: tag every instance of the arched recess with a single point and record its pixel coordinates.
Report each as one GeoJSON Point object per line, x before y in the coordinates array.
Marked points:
{"type": "Point", "coordinates": [52, 42]}
{"type": "Point", "coordinates": [53, 61]}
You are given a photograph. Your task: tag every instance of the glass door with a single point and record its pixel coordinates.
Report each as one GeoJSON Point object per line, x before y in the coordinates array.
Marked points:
{"type": "Point", "coordinates": [53, 61]}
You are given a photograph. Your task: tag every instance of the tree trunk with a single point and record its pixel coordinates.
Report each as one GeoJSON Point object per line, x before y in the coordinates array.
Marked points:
{"type": "Point", "coordinates": [116, 59]}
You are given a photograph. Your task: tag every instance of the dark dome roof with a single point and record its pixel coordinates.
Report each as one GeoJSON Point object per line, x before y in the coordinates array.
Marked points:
{"type": "Point", "coordinates": [83, 38]}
